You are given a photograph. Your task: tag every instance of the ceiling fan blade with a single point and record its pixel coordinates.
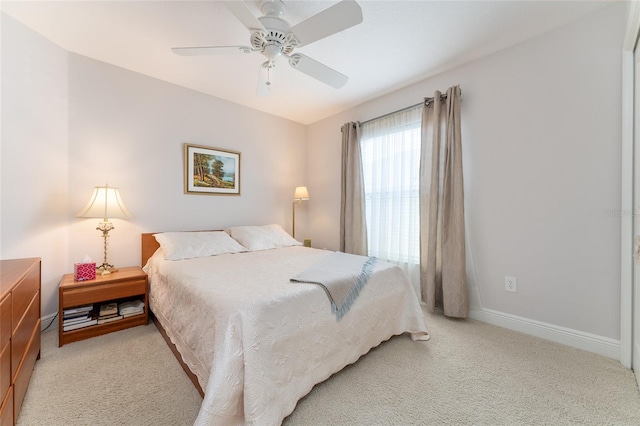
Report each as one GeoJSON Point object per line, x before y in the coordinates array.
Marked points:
{"type": "Point", "coordinates": [210, 50]}
{"type": "Point", "coordinates": [319, 71]}
{"type": "Point", "coordinates": [337, 18]}
{"type": "Point", "coordinates": [244, 15]}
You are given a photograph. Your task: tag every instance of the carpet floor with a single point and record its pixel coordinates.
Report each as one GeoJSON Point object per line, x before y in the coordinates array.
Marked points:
{"type": "Point", "coordinates": [469, 373]}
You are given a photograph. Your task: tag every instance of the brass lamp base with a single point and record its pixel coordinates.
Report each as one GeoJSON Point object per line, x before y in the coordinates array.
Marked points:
{"type": "Point", "coordinates": [105, 269]}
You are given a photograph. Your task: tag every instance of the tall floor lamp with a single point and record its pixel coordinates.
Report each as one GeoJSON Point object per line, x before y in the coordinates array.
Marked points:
{"type": "Point", "coordinates": [301, 194]}
{"type": "Point", "coordinates": [105, 203]}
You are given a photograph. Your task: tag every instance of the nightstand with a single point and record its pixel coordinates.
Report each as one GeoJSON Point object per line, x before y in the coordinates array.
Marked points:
{"type": "Point", "coordinates": [126, 284]}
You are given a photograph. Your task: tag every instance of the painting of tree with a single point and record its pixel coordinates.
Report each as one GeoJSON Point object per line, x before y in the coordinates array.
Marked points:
{"type": "Point", "coordinates": [212, 170]}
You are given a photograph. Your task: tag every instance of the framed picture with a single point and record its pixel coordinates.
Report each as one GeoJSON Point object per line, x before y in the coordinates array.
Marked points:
{"type": "Point", "coordinates": [211, 171]}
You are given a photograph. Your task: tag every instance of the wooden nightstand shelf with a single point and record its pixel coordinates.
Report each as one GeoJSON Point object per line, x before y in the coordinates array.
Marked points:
{"type": "Point", "coordinates": [125, 284]}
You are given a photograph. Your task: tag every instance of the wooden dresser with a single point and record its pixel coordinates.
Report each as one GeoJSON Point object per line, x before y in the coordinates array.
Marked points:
{"type": "Point", "coordinates": [19, 332]}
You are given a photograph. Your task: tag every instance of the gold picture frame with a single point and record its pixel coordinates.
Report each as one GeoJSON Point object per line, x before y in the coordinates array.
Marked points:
{"type": "Point", "coordinates": [211, 171]}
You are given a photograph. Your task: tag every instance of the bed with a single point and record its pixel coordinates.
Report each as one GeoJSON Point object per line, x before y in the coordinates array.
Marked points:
{"type": "Point", "coordinates": [252, 341]}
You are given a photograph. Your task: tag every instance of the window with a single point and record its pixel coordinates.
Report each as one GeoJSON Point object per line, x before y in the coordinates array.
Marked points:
{"type": "Point", "coordinates": [390, 149]}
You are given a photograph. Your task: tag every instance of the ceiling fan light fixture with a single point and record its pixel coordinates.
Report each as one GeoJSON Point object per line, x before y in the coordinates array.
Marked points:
{"type": "Point", "coordinates": [272, 51]}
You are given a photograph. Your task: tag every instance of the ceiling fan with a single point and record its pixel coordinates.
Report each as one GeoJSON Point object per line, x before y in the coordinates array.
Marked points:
{"type": "Point", "coordinates": [273, 37]}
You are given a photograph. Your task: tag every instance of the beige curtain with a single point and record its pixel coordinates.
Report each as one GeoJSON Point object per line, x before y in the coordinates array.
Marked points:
{"type": "Point", "coordinates": [353, 226]}
{"type": "Point", "coordinates": [443, 279]}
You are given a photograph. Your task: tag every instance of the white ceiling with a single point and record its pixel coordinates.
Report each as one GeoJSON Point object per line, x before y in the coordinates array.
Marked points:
{"type": "Point", "coordinates": [398, 43]}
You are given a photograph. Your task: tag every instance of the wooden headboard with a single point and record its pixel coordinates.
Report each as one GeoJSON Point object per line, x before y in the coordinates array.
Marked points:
{"type": "Point", "coordinates": [149, 246]}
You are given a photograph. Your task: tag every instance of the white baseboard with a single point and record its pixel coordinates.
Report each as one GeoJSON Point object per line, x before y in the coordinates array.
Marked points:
{"type": "Point", "coordinates": [46, 320]}
{"type": "Point", "coordinates": [566, 336]}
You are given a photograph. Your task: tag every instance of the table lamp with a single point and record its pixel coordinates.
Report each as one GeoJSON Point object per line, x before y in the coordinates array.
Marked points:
{"type": "Point", "coordinates": [105, 203]}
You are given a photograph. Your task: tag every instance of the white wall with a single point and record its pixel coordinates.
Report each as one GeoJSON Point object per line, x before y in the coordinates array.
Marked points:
{"type": "Point", "coordinates": [129, 130]}
{"type": "Point", "coordinates": [541, 141]}
{"type": "Point", "coordinates": [71, 123]}
{"type": "Point", "coordinates": [34, 154]}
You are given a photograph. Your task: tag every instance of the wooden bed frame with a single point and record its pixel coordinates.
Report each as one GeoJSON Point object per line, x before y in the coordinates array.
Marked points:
{"type": "Point", "coordinates": [149, 246]}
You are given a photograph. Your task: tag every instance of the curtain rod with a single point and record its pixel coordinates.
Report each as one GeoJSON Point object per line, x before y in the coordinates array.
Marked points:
{"type": "Point", "coordinates": [426, 101]}
{"type": "Point", "coordinates": [395, 112]}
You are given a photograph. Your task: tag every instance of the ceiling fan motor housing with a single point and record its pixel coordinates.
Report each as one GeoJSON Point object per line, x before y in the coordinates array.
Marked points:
{"type": "Point", "coordinates": [276, 40]}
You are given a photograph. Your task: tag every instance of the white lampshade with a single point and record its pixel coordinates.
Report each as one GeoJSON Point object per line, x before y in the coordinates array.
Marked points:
{"type": "Point", "coordinates": [301, 193]}
{"type": "Point", "coordinates": [105, 202]}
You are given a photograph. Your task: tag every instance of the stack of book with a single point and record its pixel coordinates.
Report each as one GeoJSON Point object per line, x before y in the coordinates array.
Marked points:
{"type": "Point", "coordinates": [130, 308]}
{"type": "Point", "coordinates": [108, 313]}
{"type": "Point", "coordinates": [79, 317]}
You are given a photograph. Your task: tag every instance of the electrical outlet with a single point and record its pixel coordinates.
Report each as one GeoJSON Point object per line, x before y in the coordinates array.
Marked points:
{"type": "Point", "coordinates": [510, 284]}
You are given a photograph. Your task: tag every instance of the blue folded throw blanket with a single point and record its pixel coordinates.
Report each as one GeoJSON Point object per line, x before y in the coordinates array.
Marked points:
{"type": "Point", "coordinates": [342, 276]}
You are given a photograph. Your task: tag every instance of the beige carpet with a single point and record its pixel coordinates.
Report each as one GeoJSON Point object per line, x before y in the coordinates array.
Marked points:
{"type": "Point", "coordinates": [469, 373]}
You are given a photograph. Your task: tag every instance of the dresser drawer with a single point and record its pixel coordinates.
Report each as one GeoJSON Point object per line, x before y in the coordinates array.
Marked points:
{"type": "Point", "coordinates": [84, 294]}
{"type": "Point", "coordinates": [22, 335]}
{"type": "Point", "coordinates": [5, 369]}
{"type": "Point", "coordinates": [6, 409]}
{"type": "Point", "coordinates": [23, 293]}
{"type": "Point", "coordinates": [5, 320]}
{"type": "Point", "coordinates": [23, 375]}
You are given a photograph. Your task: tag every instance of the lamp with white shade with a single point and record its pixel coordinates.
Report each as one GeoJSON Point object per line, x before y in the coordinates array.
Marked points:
{"type": "Point", "coordinates": [301, 194]}
{"type": "Point", "coordinates": [105, 203]}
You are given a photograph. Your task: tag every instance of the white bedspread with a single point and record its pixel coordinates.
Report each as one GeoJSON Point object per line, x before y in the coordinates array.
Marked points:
{"type": "Point", "coordinates": [273, 340]}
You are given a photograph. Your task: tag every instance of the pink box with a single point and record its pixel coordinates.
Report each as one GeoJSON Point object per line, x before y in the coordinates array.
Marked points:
{"type": "Point", "coordinates": [84, 271]}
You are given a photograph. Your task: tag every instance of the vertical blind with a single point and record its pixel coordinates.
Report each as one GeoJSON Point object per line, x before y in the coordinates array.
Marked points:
{"type": "Point", "coordinates": [390, 149]}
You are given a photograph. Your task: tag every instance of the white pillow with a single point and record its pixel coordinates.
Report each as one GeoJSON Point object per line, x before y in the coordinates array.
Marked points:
{"type": "Point", "coordinates": [188, 245]}
{"type": "Point", "coordinates": [262, 237]}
